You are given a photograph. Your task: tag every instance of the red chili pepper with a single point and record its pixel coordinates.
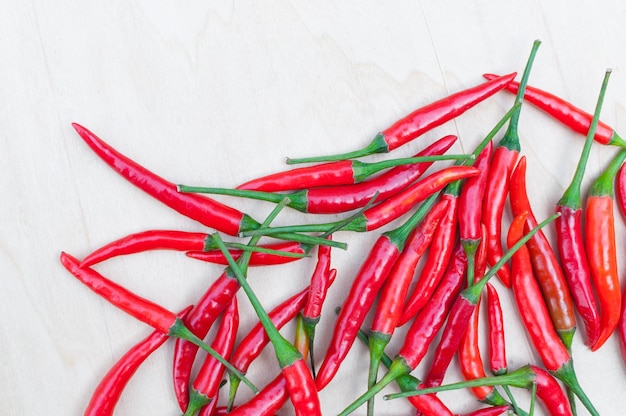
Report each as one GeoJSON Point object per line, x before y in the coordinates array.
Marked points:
{"type": "Point", "coordinates": [258, 258]}
{"type": "Point", "coordinates": [502, 164]}
{"type": "Point", "coordinates": [205, 386]}
{"type": "Point", "coordinates": [620, 190]}
{"type": "Point", "coordinates": [489, 411]}
{"type": "Point", "coordinates": [546, 266]}
{"type": "Point", "coordinates": [497, 347]}
{"type": "Point", "coordinates": [267, 401]}
{"type": "Point", "coordinates": [565, 112]}
{"type": "Point", "coordinates": [421, 121]}
{"type": "Point", "coordinates": [108, 392]}
{"type": "Point", "coordinates": [339, 173]}
{"type": "Point", "coordinates": [601, 250]}
{"type": "Point", "coordinates": [621, 328]}
{"type": "Point", "coordinates": [365, 287]}
{"type": "Point", "coordinates": [536, 318]}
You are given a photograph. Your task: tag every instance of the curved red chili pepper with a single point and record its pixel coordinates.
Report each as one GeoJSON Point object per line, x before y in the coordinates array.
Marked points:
{"type": "Point", "coordinates": [546, 266]}
{"type": "Point", "coordinates": [421, 120]}
{"type": "Point", "coordinates": [207, 381]}
{"type": "Point", "coordinates": [489, 411]}
{"type": "Point", "coordinates": [108, 392]}
{"type": "Point", "coordinates": [620, 190]}
{"type": "Point", "coordinates": [601, 250]}
{"type": "Point", "coordinates": [202, 209]}
{"type": "Point", "coordinates": [496, 339]}
{"type": "Point", "coordinates": [267, 401]}
{"type": "Point", "coordinates": [257, 258]}
{"type": "Point", "coordinates": [565, 112]}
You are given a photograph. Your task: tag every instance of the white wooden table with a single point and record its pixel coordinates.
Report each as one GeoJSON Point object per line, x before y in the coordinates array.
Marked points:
{"type": "Point", "coordinates": [219, 93]}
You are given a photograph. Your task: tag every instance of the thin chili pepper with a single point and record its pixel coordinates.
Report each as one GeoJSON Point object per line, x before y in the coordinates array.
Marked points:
{"type": "Point", "coordinates": [277, 255]}
{"type": "Point", "coordinates": [621, 328]}
{"type": "Point", "coordinates": [335, 200]}
{"type": "Point", "coordinates": [546, 266]}
{"type": "Point", "coordinates": [420, 121]}
{"type": "Point", "coordinates": [207, 381]}
{"type": "Point", "coordinates": [497, 347]}
{"type": "Point", "coordinates": [396, 286]}
{"type": "Point", "coordinates": [363, 291]}
{"type": "Point", "coordinates": [601, 250]}
{"type": "Point", "coordinates": [570, 241]}
{"type": "Point", "coordinates": [502, 164]}
{"type": "Point", "coordinates": [108, 392]}
{"type": "Point", "coordinates": [142, 309]}
{"type": "Point", "coordinates": [536, 319]}
{"type": "Point", "coordinates": [620, 190]}
{"type": "Point", "coordinates": [298, 378]}
{"type": "Point", "coordinates": [548, 389]}
{"type": "Point", "coordinates": [565, 112]}
{"type": "Point", "coordinates": [480, 262]}
{"type": "Point", "coordinates": [342, 172]}
{"type": "Point", "coordinates": [489, 411]}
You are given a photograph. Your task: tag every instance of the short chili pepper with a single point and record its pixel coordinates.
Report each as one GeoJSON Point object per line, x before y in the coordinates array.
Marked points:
{"type": "Point", "coordinates": [546, 266]}
{"type": "Point", "coordinates": [395, 288]}
{"type": "Point", "coordinates": [504, 159]}
{"type": "Point", "coordinates": [570, 241]}
{"type": "Point", "coordinates": [548, 389]}
{"type": "Point", "coordinates": [420, 121]}
{"type": "Point", "coordinates": [536, 318]}
{"type": "Point", "coordinates": [205, 386]}
{"type": "Point", "coordinates": [142, 309]}
{"type": "Point", "coordinates": [601, 250]}
{"type": "Point", "coordinates": [108, 392]}
{"type": "Point", "coordinates": [620, 190]}
{"type": "Point", "coordinates": [277, 254]}
{"type": "Point", "coordinates": [565, 112]}
{"type": "Point", "coordinates": [342, 172]}
{"type": "Point", "coordinates": [363, 291]}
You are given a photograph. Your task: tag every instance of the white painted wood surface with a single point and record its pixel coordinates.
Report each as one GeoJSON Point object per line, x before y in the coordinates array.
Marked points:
{"type": "Point", "coordinates": [216, 93]}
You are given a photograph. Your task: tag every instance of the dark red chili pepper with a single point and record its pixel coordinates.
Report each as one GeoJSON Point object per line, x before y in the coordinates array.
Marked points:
{"type": "Point", "coordinates": [502, 164]}
{"type": "Point", "coordinates": [565, 112]}
{"type": "Point", "coordinates": [142, 309]}
{"type": "Point", "coordinates": [569, 233]}
{"type": "Point", "coordinates": [258, 258]}
{"type": "Point", "coordinates": [546, 266]}
{"type": "Point", "coordinates": [365, 287]}
{"type": "Point", "coordinates": [496, 339]}
{"type": "Point", "coordinates": [421, 120]}
{"type": "Point", "coordinates": [601, 250]}
{"type": "Point", "coordinates": [207, 381]}
{"type": "Point", "coordinates": [110, 388]}
{"type": "Point", "coordinates": [536, 318]}
{"type": "Point", "coordinates": [395, 288]}
{"type": "Point", "coordinates": [620, 190]}
{"type": "Point", "coordinates": [342, 172]}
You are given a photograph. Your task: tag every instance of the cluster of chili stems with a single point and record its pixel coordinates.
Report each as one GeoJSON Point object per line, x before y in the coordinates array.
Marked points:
{"type": "Point", "coordinates": [455, 225]}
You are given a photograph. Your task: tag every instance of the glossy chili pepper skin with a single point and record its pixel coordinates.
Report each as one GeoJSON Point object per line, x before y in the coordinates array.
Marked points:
{"type": "Point", "coordinates": [489, 411]}
{"type": "Point", "coordinates": [546, 266]}
{"type": "Point", "coordinates": [496, 338]}
{"type": "Point", "coordinates": [267, 401]}
{"type": "Point", "coordinates": [551, 394]}
{"type": "Point", "coordinates": [257, 258]}
{"type": "Point", "coordinates": [565, 112]}
{"type": "Point", "coordinates": [109, 390]}
{"type": "Point", "coordinates": [202, 209]}
{"type": "Point", "coordinates": [320, 283]}
{"type": "Point", "coordinates": [621, 328]}
{"type": "Point", "coordinates": [620, 190]}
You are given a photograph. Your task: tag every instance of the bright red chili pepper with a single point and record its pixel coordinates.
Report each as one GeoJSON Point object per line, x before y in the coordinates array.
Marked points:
{"type": "Point", "coordinates": [489, 411]}
{"type": "Point", "coordinates": [257, 258]}
{"type": "Point", "coordinates": [110, 388]}
{"type": "Point", "coordinates": [267, 401]}
{"type": "Point", "coordinates": [421, 120]}
{"type": "Point", "coordinates": [536, 318]}
{"type": "Point", "coordinates": [601, 250]}
{"type": "Point", "coordinates": [620, 190]}
{"type": "Point", "coordinates": [565, 112]}
{"type": "Point", "coordinates": [621, 328]}
{"type": "Point", "coordinates": [206, 384]}
{"type": "Point", "coordinates": [496, 339]}
{"type": "Point", "coordinates": [365, 287]}
{"type": "Point", "coordinates": [339, 173]}
{"type": "Point", "coordinates": [502, 164]}
{"type": "Point", "coordinates": [546, 266]}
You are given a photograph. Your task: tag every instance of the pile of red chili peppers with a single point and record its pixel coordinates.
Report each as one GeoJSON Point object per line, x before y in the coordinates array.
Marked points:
{"type": "Point", "coordinates": [430, 273]}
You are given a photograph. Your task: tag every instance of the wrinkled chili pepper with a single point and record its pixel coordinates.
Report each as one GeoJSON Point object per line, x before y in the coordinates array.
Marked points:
{"type": "Point", "coordinates": [108, 392]}
{"type": "Point", "coordinates": [363, 291]}
{"type": "Point", "coordinates": [205, 386]}
{"type": "Point", "coordinates": [601, 250]}
{"type": "Point", "coordinates": [565, 112]}
{"type": "Point", "coordinates": [258, 258]}
{"type": "Point", "coordinates": [342, 172]}
{"type": "Point", "coordinates": [420, 121]}
{"type": "Point", "coordinates": [546, 266]}
{"type": "Point", "coordinates": [504, 159]}
{"type": "Point", "coordinates": [536, 318]}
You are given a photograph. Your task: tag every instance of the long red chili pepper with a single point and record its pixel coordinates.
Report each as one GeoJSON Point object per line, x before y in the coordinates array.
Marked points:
{"type": "Point", "coordinates": [536, 318]}
{"type": "Point", "coordinates": [496, 339]}
{"type": "Point", "coordinates": [565, 112]}
{"type": "Point", "coordinates": [620, 190]}
{"type": "Point", "coordinates": [569, 233]}
{"type": "Point", "coordinates": [108, 392]}
{"type": "Point", "coordinates": [489, 411]}
{"type": "Point", "coordinates": [601, 250]}
{"type": "Point", "coordinates": [207, 381]}
{"type": "Point", "coordinates": [502, 164]}
{"type": "Point", "coordinates": [342, 172]}
{"type": "Point", "coordinates": [421, 120]}
{"type": "Point", "coordinates": [363, 291]}
{"type": "Point", "coordinates": [621, 328]}
{"type": "Point", "coordinates": [142, 309]}
{"type": "Point", "coordinates": [546, 266]}
{"type": "Point", "coordinates": [276, 255]}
